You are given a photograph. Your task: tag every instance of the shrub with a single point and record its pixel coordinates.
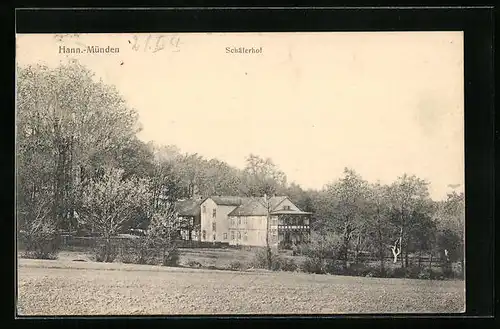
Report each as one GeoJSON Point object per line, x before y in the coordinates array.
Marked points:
{"type": "Point", "coordinates": [278, 263]}
{"type": "Point", "coordinates": [320, 253]}
{"type": "Point", "coordinates": [170, 255]}
{"type": "Point", "coordinates": [105, 252]}
{"type": "Point", "coordinates": [138, 251]}
{"type": "Point", "coordinates": [425, 274]}
{"type": "Point", "coordinates": [447, 270]}
{"type": "Point", "coordinates": [312, 265]}
{"type": "Point", "coordinates": [359, 269]}
{"type": "Point", "coordinates": [40, 241]}
{"type": "Point", "coordinates": [193, 263]}
{"type": "Point", "coordinates": [237, 266]}
{"type": "Point", "coordinates": [260, 259]}
{"type": "Point", "coordinates": [287, 264]}
{"type": "Point", "coordinates": [398, 272]}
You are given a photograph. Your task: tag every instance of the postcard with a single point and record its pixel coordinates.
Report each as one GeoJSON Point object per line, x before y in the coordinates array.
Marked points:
{"type": "Point", "coordinates": [240, 173]}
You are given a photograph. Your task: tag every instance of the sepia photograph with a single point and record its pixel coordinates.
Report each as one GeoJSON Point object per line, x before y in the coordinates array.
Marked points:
{"type": "Point", "coordinates": [240, 173]}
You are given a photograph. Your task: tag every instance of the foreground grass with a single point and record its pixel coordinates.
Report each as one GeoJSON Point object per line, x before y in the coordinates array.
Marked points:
{"type": "Point", "coordinates": [65, 287]}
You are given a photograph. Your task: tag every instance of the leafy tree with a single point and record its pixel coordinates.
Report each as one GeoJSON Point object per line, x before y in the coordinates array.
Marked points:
{"type": "Point", "coordinates": [451, 221]}
{"type": "Point", "coordinates": [409, 196]}
{"type": "Point", "coordinates": [350, 194]}
{"type": "Point", "coordinates": [261, 176]}
{"type": "Point", "coordinates": [378, 225]}
{"type": "Point", "coordinates": [73, 122]}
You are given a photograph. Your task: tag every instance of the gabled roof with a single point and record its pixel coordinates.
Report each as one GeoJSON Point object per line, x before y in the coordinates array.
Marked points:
{"type": "Point", "coordinates": [257, 206]}
{"type": "Point", "coordinates": [188, 207]}
{"type": "Point", "coordinates": [275, 201]}
{"type": "Point", "coordinates": [253, 207]}
{"type": "Point", "coordinates": [229, 200]}
{"type": "Point", "coordinates": [290, 212]}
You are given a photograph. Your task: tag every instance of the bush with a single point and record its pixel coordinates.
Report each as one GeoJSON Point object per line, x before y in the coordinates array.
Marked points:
{"type": "Point", "coordinates": [278, 263]}
{"type": "Point", "coordinates": [193, 263]}
{"type": "Point", "coordinates": [237, 266]}
{"type": "Point", "coordinates": [40, 242]}
{"type": "Point", "coordinates": [313, 265]}
{"type": "Point", "coordinates": [287, 264]}
{"type": "Point", "coordinates": [138, 251]}
{"type": "Point", "coordinates": [170, 255]}
{"type": "Point", "coordinates": [260, 260]}
{"type": "Point", "coordinates": [320, 253]}
{"type": "Point", "coordinates": [425, 274]}
{"type": "Point", "coordinates": [319, 266]}
{"type": "Point", "coordinates": [359, 269]}
{"type": "Point", "coordinates": [414, 273]}
{"type": "Point", "coordinates": [447, 270]}
{"type": "Point", "coordinates": [105, 252]}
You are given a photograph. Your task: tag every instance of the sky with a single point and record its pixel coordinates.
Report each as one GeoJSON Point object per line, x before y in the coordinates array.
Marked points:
{"type": "Point", "coordinates": [381, 103]}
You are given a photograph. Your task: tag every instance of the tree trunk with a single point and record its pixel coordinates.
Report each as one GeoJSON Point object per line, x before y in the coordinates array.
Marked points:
{"type": "Point", "coordinates": [107, 250]}
{"type": "Point", "coordinates": [356, 252]}
{"type": "Point", "coordinates": [380, 248]}
{"type": "Point", "coordinates": [345, 246]}
{"type": "Point", "coordinates": [381, 255]}
{"type": "Point", "coordinates": [401, 248]}
{"type": "Point", "coordinates": [268, 248]}
{"type": "Point", "coordinates": [406, 258]}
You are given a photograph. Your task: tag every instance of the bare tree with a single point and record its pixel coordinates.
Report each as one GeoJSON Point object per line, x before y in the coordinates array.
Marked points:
{"type": "Point", "coordinates": [109, 202]}
{"type": "Point", "coordinates": [396, 248]}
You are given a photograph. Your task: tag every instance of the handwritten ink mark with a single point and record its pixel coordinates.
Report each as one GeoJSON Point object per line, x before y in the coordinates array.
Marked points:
{"type": "Point", "coordinates": [160, 43]}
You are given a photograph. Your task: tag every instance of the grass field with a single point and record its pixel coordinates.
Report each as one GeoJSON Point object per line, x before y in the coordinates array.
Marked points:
{"type": "Point", "coordinates": [66, 287]}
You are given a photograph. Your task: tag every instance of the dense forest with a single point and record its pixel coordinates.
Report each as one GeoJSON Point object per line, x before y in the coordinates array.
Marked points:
{"type": "Point", "coordinates": [79, 162]}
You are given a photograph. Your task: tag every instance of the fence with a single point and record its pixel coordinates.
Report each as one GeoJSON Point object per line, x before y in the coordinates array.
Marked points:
{"type": "Point", "coordinates": [77, 242]}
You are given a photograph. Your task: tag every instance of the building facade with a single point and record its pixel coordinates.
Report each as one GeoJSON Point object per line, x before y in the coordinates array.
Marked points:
{"type": "Point", "coordinates": [214, 217]}
{"type": "Point", "coordinates": [189, 219]}
{"type": "Point", "coordinates": [288, 225]}
{"type": "Point", "coordinates": [243, 221]}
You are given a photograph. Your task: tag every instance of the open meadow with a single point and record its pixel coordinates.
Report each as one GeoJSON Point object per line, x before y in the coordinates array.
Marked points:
{"type": "Point", "coordinates": [68, 287]}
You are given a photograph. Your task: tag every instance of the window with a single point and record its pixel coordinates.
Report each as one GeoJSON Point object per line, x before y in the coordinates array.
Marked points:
{"type": "Point", "coordinates": [213, 226]}
{"type": "Point", "coordinates": [306, 221]}
{"type": "Point", "coordinates": [214, 213]}
{"type": "Point", "coordinates": [225, 236]}
{"type": "Point", "coordinates": [214, 236]}
{"type": "Point", "coordinates": [232, 235]}
{"type": "Point", "coordinates": [204, 209]}
{"type": "Point", "coordinates": [245, 236]}
{"type": "Point", "coordinates": [204, 235]}
{"type": "Point", "coordinates": [239, 235]}
{"type": "Point", "coordinates": [239, 220]}
{"type": "Point", "coordinates": [286, 207]}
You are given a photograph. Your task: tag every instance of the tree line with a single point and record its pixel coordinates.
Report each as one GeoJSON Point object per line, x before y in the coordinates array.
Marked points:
{"type": "Point", "coordinates": [80, 164]}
